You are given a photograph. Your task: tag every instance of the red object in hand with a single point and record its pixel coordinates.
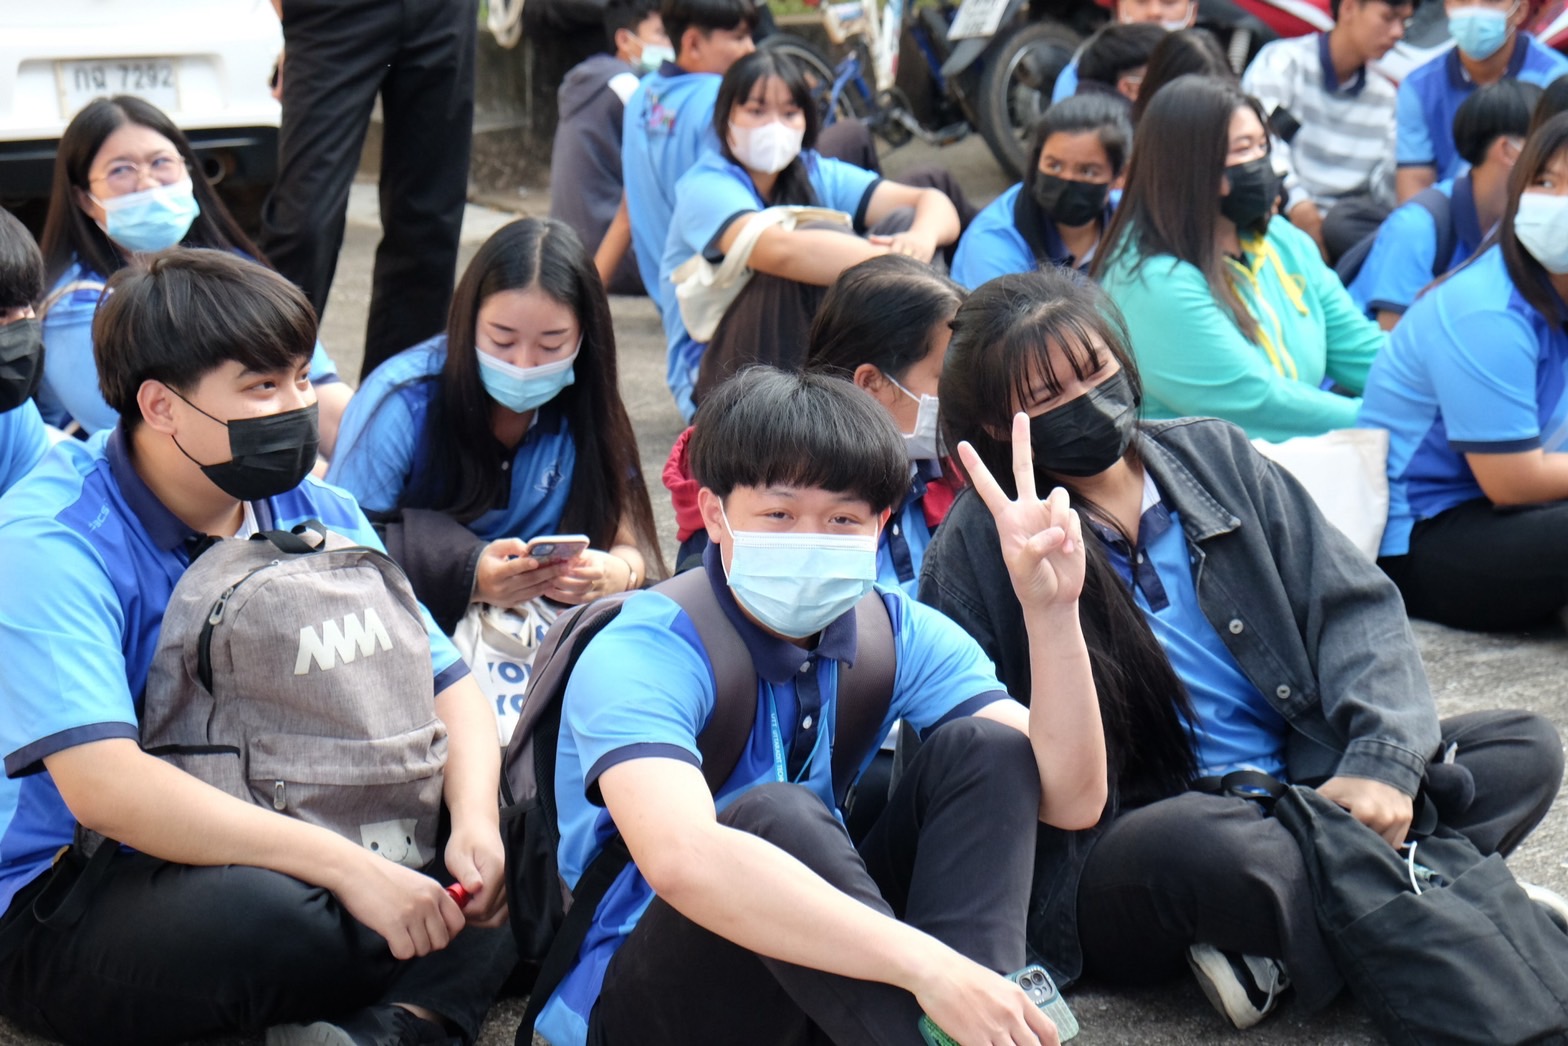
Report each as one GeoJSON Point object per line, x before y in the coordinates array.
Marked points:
{"type": "Point", "coordinates": [459, 894]}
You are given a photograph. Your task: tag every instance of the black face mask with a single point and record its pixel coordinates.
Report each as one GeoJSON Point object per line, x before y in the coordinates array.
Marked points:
{"type": "Point", "coordinates": [267, 456]}
{"type": "Point", "coordinates": [1254, 187]}
{"type": "Point", "coordinates": [1069, 203]}
{"type": "Point", "coordinates": [21, 362]}
{"type": "Point", "coordinates": [1087, 435]}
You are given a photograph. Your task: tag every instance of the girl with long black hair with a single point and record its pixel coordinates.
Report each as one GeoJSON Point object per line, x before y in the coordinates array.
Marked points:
{"type": "Point", "coordinates": [1230, 627]}
{"type": "Point", "coordinates": [511, 426]}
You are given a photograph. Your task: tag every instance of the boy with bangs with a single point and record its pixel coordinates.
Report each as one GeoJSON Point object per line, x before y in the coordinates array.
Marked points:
{"type": "Point", "coordinates": [750, 915]}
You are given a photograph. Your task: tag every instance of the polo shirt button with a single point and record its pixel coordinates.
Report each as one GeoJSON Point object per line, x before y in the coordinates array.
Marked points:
{"type": "Point", "coordinates": [1282, 692]}
{"type": "Point", "coordinates": [805, 724]}
{"type": "Point", "coordinates": [895, 530]}
{"type": "Point", "coordinates": [1140, 557]}
{"type": "Point", "coordinates": [1236, 626]}
{"type": "Point", "coordinates": [505, 465]}
{"type": "Point", "coordinates": [805, 667]}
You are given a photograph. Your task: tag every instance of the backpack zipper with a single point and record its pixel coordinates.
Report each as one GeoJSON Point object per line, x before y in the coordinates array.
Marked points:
{"type": "Point", "coordinates": [214, 618]}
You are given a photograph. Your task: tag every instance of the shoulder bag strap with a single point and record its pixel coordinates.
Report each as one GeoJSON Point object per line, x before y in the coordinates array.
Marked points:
{"type": "Point", "coordinates": [865, 691]}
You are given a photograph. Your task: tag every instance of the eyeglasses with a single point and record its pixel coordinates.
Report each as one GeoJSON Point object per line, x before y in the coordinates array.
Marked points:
{"type": "Point", "coordinates": [125, 176]}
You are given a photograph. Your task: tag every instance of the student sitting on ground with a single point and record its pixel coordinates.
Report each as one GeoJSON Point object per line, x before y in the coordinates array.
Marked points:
{"type": "Point", "coordinates": [750, 916]}
{"type": "Point", "coordinates": [1471, 392]}
{"type": "Point", "coordinates": [23, 438]}
{"type": "Point", "coordinates": [1171, 15]}
{"type": "Point", "coordinates": [1114, 60]}
{"type": "Point", "coordinates": [221, 916]}
{"type": "Point", "coordinates": [510, 426]}
{"type": "Point", "coordinates": [126, 181]}
{"type": "Point", "coordinates": [1489, 45]}
{"type": "Point", "coordinates": [585, 161]}
{"type": "Point", "coordinates": [1489, 131]}
{"type": "Point", "coordinates": [1333, 120]}
{"type": "Point", "coordinates": [767, 121]}
{"type": "Point", "coordinates": [1187, 51]}
{"type": "Point", "coordinates": [883, 325]}
{"type": "Point", "coordinates": [1232, 311]}
{"type": "Point", "coordinates": [1230, 625]}
{"type": "Point", "coordinates": [1059, 212]}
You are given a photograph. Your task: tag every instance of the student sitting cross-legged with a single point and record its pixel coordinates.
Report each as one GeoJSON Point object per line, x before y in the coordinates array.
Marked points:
{"type": "Point", "coordinates": [221, 915]}
{"type": "Point", "coordinates": [750, 916]}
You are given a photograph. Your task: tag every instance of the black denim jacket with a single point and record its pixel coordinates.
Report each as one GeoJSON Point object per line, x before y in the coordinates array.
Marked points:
{"type": "Point", "coordinates": [1313, 623]}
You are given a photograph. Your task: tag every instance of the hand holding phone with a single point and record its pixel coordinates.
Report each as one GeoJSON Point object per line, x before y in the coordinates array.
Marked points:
{"type": "Point", "coordinates": [557, 548]}
{"type": "Point", "coordinates": [1037, 984]}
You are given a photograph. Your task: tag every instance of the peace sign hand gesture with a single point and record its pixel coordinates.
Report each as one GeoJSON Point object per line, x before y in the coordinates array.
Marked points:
{"type": "Point", "coordinates": [1042, 541]}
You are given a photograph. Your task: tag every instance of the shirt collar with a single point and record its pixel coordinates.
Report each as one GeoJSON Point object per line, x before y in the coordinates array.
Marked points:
{"type": "Point", "coordinates": [1331, 82]}
{"type": "Point", "coordinates": [167, 530]}
{"type": "Point", "coordinates": [778, 660]}
{"type": "Point", "coordinates": [669, 69]}
{"type": "Point", "coordinates": [1460, 80]}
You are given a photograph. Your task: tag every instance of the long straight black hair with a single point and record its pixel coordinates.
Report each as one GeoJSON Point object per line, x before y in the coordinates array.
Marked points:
{"type": "Point", "coordinates": [1547, 143]}
{"type": "Point", "coordinates": [464, 471]}
{"type": "Point", "coordinates": [1171, 205]}
{"type": "Point", "coordinates": [71, 236]}
{"type": "Point", "coordinates": [1003, 337]}
{"type": "Point", "coordinates": [792, 186]}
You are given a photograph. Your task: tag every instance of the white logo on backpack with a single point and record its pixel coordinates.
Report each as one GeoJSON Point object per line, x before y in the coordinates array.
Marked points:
{"type": "Point", "coordinates": [343, 643]}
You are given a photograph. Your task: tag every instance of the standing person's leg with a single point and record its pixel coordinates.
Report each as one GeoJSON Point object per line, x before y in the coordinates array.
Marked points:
{"type": "Point", "coordinates": [165, 953]}
{"type": "Point", "coordinates": [1516, 759]}
{"type": "Point", "coordinates": [1485, 568]}
{"type": "Point", "coordinates": [427, 106]}
{"type": "Point", "coordinates": [335, 52]}
{"type": "Point", "coordinates": [1200, 869]}
{"type": "Point", "coordinates": [674, 982]}
{"type": "Point", "coordinates": [953, 853]}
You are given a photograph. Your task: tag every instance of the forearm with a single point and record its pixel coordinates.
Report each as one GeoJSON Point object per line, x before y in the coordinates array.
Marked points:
{"type": "Point", "coordinates": [1528, 478]}
{"type": "Point", "coordinates": [173, 816]}
{"type": "Point", "coordinates": [617, 238]}
{"type": "Point", "coordinates": [1064, 720]}
{"type": "Point", "coordinates": [811, 256]}
{"type": "Point", "coordinates": [936, 217]}
{"type": "Point", "coordinates": [1410, 180]}
{"type": "Point", "coordinates": [473, 758]}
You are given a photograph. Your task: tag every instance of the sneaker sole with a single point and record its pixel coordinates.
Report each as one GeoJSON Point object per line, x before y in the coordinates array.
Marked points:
{"type": "Point", "coordinates": [321, 1033]}
{"type": "Point", "coordinates": [1220, 987]}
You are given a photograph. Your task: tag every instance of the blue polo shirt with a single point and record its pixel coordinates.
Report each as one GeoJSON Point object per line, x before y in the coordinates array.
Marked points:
{"type": "Point", "coordinates": [1472, 368]}
{"type": "Point", "coordinates": [1402, 259]}
{"type": "Point", "coordinates": [992, 246]}
{"type": "Point", "coordinates": [1431, 95]}
{"type": "Point", "coordinates": [88, 559]}
{"type": "Point", "coordinates": [610, 716]}
{"type": "Point", "coordinates": [668, 123]}
{"type": "Point", "coordinates": [381, 448]}
{"type": "Point", "coordinates": [1234, 725]}
{"type": "Point", "coordinates": [708, 199]}
{"type": "Point", "coordinates": [23, 443]}
{"type": "Point", "coordinates": [69, 391]}
{"type": "Point", "coordinates": [902, 546]}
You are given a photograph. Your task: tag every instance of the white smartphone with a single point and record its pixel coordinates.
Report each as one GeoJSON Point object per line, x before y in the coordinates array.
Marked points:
{"type": "Point", "coordinates": [556, 548]}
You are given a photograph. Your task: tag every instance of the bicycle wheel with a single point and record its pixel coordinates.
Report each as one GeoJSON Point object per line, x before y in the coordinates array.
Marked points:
{"type": "Point", "coordinates": [851, 105]}
{"type": "Point", "coordinates": [1016, 88]}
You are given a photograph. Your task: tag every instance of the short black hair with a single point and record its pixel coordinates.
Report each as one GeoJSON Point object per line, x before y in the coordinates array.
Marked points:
{"type": "Point", "coordinates": [767, 427]}
{"type": "Point", "coordinates": [1497, 110]}
{"type": "Point", "coordinates": [628, 15]}
{"type": "Point", "coordinates": [1333, 5]}
{"type": "Point", "coordinates": [1102, 114]}
{"type": "Point", "coordinates": [1554, 100]}
{"type": "Point", "coordinates": [21, 264]}
{"type": "Point", "coordinates": [177, 315]}
{"type": "Point", "coordinates": [706, 16]}
{"type": "Point", "coordinates": [1116, 50]}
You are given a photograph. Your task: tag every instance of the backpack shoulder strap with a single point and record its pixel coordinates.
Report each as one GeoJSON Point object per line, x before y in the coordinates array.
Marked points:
{"type": "Point", "coordinates": [1438, 204]}
{"type": "Point", "coordinates": [734, 677]}
{"type": "Point", "coordinates": [864, 691]}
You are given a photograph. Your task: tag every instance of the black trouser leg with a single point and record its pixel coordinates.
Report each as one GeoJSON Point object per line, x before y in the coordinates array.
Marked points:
{"type": "Point", "coordinates": [427, 105]}
{"type": "Point", "coordinates": [1200, 868]}
{"type": "Point", "coordinates": [1516, 759]}
{"type": "Point", "coordinates": [954, 850]}
{"type": "Point", "coordinates": [1485, 568]}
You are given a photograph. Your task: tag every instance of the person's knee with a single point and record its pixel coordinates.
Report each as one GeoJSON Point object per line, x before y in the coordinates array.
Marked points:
{"type": "Point", "coordinates": [790, 816]}
{"type": "Point", "coordinates": [984, 742]}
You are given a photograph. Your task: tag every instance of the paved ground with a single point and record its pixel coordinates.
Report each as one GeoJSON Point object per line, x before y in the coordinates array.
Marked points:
{"type": "Point", "coordinates": [1468, 672]}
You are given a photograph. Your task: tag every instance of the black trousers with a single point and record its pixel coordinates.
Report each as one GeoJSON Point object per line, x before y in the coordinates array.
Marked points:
{"type": "Point", "coordinates": [419, 56]}
{"type": "Point", "coordinates": [165, 953]}
{"type": "Point", "coordinates": [952, 855]}
{"type": "Point", "coordinates": [1486, 568]}
{"type": "Point", "coordinates": [1218, 870]}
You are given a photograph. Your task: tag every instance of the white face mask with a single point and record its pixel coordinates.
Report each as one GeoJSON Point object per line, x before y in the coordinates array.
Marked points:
{"type": "Point", "coordinates": [925, 443]}
{"type": "Point", "coordinates": [797, 584]}
{"type": "Point", "coordinates": [1542, 227]}
{"type": "Point", "coordinates": [767, 149]}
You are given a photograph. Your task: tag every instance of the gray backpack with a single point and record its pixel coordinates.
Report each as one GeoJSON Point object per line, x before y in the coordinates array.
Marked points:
{"type": "Point", "coordinates": [293, 670]}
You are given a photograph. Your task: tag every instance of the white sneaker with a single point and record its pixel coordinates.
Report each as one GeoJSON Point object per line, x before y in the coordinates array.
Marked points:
{"type": "Point", "coordinates": [1244, 988]}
